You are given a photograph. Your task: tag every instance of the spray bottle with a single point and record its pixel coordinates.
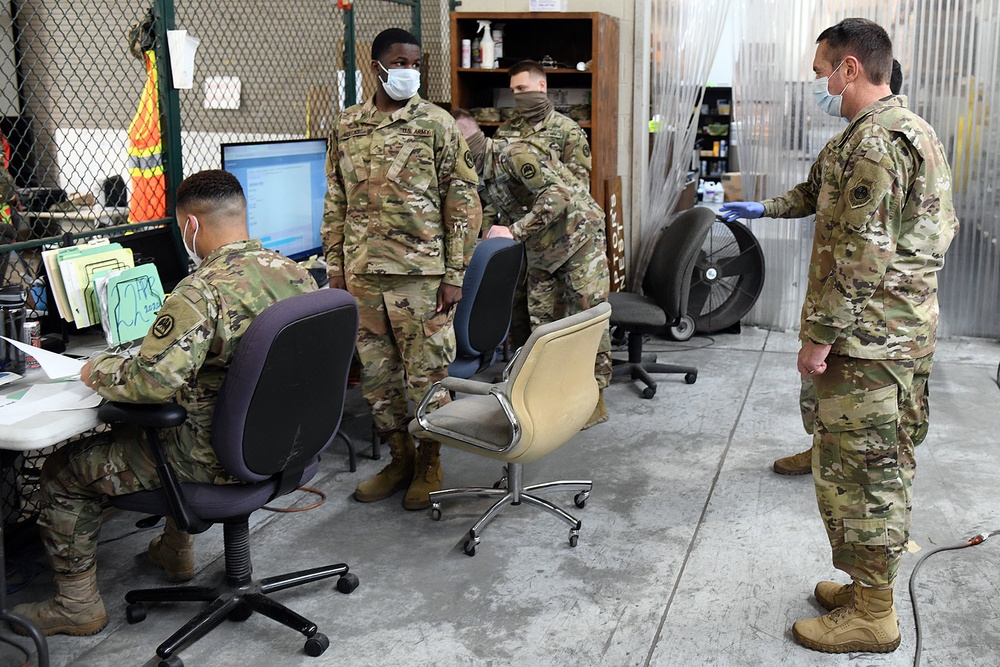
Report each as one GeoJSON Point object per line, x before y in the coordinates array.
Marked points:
{"type": "Point", "coordinates": [486, 46]}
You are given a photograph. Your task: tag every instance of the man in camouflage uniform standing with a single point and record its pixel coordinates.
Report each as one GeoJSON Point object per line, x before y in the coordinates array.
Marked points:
{"type": "Point", "coordinates": [401, 207]}
{"type": "Point", "coordinates": [543, 128]}
{"type": "Point", "coordinates": [184, 357]}
{"type": "Point", "coordinates": [531, 199]}
{"type": "Point", "coordinates": [884, 219]}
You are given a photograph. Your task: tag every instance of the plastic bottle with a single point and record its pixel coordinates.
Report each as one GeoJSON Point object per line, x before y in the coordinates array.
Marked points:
{"type": "Point", "coordinates": [486, 51]}
{"type": "Point", "coordinates": [477, 54]}
{"type": "Point", "coordinates": [498, 42]}
{"type": "Point", "coordinates": [466, 53]}
{"type": "Point", "coordinates": [12, 316]}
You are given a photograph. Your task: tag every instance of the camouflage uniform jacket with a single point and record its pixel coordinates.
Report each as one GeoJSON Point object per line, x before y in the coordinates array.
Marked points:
{"type": "Point", "coordinates": [881, 192]}
{"type": "Point", "coordinates": [188, 349]}
{"type": "Point", "coordinates": [401, 193]}
{"type": "Point", "coordinates": [557, 135]}
{"type": "Point", "coordinates": [533, 196]}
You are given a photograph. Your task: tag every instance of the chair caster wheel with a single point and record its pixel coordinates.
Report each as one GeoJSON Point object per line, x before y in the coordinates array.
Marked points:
{"type": "Point", "coordinates": [574, 538]}
{"type": "Point", "coordinates": [469, 548]}
{"type": "Point", "coordinates": [580, 499]}
{"type": "Point", "coordinates": [691, 378]}
{"type": "Point", "coordinates": [172, 661]}
{"type": "Point", "coordinates": [317, 644]}
{"type": "Point", "coordinates": [135, 613]}
{"type": "Point", "coordinates": [240, 613]}
{"type": "Point", "coordinates": [649, 392]}
{"type": "Point", "coordinates": [436, 512]}
{"type": "Point", "coordinates": [346, 585]}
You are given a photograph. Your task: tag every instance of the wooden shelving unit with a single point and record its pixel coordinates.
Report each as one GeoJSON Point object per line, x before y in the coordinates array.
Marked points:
{"type": "Point", "coordinates": [566, 37]}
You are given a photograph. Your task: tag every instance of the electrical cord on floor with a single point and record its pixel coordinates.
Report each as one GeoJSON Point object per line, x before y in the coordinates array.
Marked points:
{"type": "Point", "coordinates": [322, 499]}
{"type": "Point", "coordinates": [27, 656]}
{"type": "Point", "coordinates": [978, 539]}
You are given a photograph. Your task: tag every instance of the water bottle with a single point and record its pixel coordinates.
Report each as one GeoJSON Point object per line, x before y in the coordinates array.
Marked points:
{"type": "Point", "coordinates": [12, 314]}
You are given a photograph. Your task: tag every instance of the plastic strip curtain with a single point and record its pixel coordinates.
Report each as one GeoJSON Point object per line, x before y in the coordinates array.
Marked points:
{"type": "Point", "coordinates": [949, 54]}
{"type": "Point", "coordinates": [685, 38]}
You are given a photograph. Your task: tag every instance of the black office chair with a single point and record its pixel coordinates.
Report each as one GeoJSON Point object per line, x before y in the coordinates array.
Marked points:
{"type": "Point", "coordinates": [482, 317]}
{"type": "Point", "coordinates": [279, 407]}
{"type": "Point", "coordinates": [664, 304]}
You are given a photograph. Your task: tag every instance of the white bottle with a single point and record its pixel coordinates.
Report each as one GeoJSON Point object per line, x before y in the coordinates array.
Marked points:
{"type": "Point", "coordinates": [486, 52]}
{"type": "Point", "coordinates": [498, 42]}
{"type": "Point", "coordinates": [466, 53]}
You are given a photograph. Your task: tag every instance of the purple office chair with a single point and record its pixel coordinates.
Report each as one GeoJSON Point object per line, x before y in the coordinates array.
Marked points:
{"type": "Point", "coordinates": [279, 407]}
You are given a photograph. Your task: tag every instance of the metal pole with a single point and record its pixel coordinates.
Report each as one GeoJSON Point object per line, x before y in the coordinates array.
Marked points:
{"type": "Point", "coordinates": [170, 103]}
{"type": "Point", "coordinates": [350, 67]}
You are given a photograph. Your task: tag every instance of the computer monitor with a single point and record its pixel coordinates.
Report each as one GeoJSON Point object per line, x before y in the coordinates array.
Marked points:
{"type": "Point", "coordinates": [285, 183]}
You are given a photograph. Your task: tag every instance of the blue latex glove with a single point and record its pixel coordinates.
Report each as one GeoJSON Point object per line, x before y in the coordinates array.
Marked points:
{"type": "Point", "coordinates": [741, 209]}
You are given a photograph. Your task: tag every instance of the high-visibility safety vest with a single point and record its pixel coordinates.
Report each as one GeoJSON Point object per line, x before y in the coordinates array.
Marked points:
{"type": "Point", "coordinates": [145, 150]}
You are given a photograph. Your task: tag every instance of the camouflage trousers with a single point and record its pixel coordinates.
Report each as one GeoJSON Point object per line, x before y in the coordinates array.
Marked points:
{"type": "Point", "coordinates": [403, 344]}
{"type": "Point", "coordinates": [581, 282]}
{"type": "Point", "coordinates": [76, 481]}
{"type": "Point", "coordinates": [870, 415]}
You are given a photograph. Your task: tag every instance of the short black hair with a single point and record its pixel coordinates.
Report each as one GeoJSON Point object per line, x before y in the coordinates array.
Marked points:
{"type": "Point", "coordinates": [385, 39]}
{"type": "Point", "coordinates": [896, 78]}
{"type": "Point", "coordinates": [212, 186]}
{"type": "Point", "coordinates": [865, 40]}
{"type": "Point", "coordinates": [528, 66]}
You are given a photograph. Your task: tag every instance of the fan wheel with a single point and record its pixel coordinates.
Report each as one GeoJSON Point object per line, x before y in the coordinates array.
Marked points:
{"type": "Point", "coordinates": [728, 277]}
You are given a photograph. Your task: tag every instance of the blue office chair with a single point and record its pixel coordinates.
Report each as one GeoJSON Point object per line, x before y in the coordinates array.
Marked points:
{"type": "Point", "coordinates": [279, 407]}
{"type": "Point", "coordinates": [482, 317]}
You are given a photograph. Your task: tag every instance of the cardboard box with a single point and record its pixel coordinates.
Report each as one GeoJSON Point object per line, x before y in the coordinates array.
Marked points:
{"type": "Point", "coordinates": [732, 187]}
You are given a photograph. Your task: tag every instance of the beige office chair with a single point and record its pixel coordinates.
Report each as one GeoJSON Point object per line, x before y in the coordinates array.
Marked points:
{"type": "Point", "coordinates": [547, 395]}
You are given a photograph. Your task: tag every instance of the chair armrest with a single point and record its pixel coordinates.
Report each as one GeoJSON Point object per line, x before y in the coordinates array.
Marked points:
{"type": "Point", "coordinates": [151, 418]}
{"type": "Point", "coordinates": [156, 415]}
{"type": "Point", "coordinates": [466, 386]}
{"type": "Point", "coordinates": [481, 389]}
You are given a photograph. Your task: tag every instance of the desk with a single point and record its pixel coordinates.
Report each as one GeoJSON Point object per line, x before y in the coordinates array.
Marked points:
{"type": "Point", "coordinates": [37, 432]}
{"type": "Point", "coordinates": [84, 219]}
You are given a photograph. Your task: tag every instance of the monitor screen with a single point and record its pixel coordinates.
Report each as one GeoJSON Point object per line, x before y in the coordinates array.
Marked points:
{"type": "Point", "coordinates": [285, 183]}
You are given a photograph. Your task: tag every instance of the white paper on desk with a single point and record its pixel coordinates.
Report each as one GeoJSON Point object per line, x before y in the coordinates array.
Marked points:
{"type": "Point", "coordinates": [49, 397]}
{"type": "Point", "coordinates": [56, 366]}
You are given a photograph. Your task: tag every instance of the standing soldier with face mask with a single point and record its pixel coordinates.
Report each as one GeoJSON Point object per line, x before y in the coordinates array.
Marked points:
{"type": "Point", "coordinates": [539, 125]}
{"type": "Point", "coordinates": [401, 206]}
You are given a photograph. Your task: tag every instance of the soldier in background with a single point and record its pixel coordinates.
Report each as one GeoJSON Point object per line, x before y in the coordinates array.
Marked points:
{"type": "Point", "coordinates": [401, 208]}
{"type": "Point", "coordinates": [881, 192]}
{"type": "Point", "coordinates": [529, 198]}
{"type": "Point", "coordinates": [184, 357]}
{"type": "Point", "coordinates": [543, 128]}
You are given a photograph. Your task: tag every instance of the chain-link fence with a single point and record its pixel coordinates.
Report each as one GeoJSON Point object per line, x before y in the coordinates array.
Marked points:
{"type": "Point", "coordinates": [95, 137]}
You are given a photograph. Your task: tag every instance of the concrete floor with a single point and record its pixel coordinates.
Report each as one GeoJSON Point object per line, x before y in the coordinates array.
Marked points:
{"type": "Point", "coordinates": [692, 551]}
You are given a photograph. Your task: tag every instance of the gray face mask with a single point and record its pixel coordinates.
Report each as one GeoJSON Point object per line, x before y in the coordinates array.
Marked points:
{"type": "Point", "coordinates": [534, 105]}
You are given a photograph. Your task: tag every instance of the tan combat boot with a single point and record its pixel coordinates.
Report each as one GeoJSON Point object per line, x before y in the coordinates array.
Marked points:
{"type": "Point", "coordinates": [600, 413]}
{"type": "Point", "coordinates": [426, 477]}
{"type": "Point", "coordinates": [799, 464]}
{"type": "Point", "coordinates": [832, 595]}
{"type": "Point", "coordinates": [77, 608]}
{"type": "Point", "coordinates": [866, 623]}
{"type": "Point", "coordinates": [174, 552]}
{"type": "Point", "coordinates": [395, 476]}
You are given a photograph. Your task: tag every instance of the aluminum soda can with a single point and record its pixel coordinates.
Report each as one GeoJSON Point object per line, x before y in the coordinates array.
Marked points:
{"type": "Point", "coordinates": [33, 336]}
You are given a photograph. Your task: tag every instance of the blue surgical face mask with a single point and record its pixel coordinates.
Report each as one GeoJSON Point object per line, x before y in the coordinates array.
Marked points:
{"type": "Point", "coordinates": [827, 102]}
{"type": "Point", "coordinates": [400, 84]}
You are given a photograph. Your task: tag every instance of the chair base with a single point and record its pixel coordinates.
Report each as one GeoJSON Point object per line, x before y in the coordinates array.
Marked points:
{"type": "Point", "coordinates": [236, 600]}
{"type": "Point", "coordinates": [639, 367]}
{"type": "Point", "coordinates": [511, 492]}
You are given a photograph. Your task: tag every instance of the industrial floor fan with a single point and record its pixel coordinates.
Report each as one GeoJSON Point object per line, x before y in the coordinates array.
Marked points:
{"type": "Point", "coordinates": [728, 278]}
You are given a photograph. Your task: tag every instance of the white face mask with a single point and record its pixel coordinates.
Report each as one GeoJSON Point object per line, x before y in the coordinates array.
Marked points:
{"type": "Point", "coordinates": [194, 242]}
{"type": "Point", "coordinates": [400, 84]}
{"type": "Point", "coordinates": [827, 102]}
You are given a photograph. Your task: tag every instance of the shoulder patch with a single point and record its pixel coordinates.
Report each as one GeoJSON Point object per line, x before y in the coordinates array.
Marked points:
{"type": "Point", "coordinates": [528, 171]}
{"type": "Point", "coordinates": [469, 162]}
{"type": "Point", "coordinates": [586, 150]}
{"type": "Point", "coordinates": [163, 325]}
{"type": "Point", "coordinates": [861, 193]}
